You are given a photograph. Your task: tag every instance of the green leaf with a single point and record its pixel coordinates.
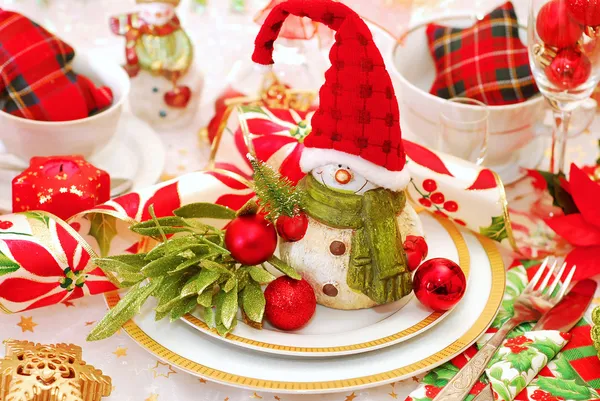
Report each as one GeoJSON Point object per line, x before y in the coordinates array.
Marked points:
{"type": "Point", "coordinates": [223, 331]}
{"type": "Point", "coordinates": [521, 361]}
{"type": "Point", "coordinates": [171, 245]}
{"type": "Point", "coordinates": [116, 266]}
{"type": "Point", "coordinates": [260, 275]}
{"type": "Point", "coordinates": [284, 268]}
{"type": "Point", "coordinates": [198, 283]}
{"type": "Point", "coordinates": [205, 299]}
{"type": "Point", "coordinates": [565, 371]}
{"type": "Point", "coordinates": [136, 260]}
{"type": "Point", "coordinates": [560, 196]}
{"type": "Point", "coordinates": [253, 301]}
{"type": "Point", "coordinates": [204, 210]}
{"type": "Point", "coordinates": [209, 316]}
{"type": "Point", "coordinates": [167, 292]}
{"type": "Point", "coordinates": [251, 109]}
{"type": "Point", "coordinates": [566, 389]}
{"type": "Point", "coordinates": [104, 229]}
{"type": "Point", "coordinates": [214, 266]}
{"type": "Point", "coordinates": [7, 265]}
{"type": "Point", "coordinates": [544, 349]}
{"type": "Point", "coordinates": [228, 307]}
{"type": "Point", "coordinates": [161, 266]}
{"type": "Point", "coordinates": [519, 383]}
{"type": "Point", "coordinates": [123, 311]}
{"type": "Point", "coordinates": [199, 225]}
{"type": "Point", "coordinates": [185, 306]}
{"type": "Point", "coordinates": [496, 373]}
{"type": "Point", "coordinates": [41, 217]}
{"type": "Point", "coordinates": [230, 284]}
{"type": "Point", "coordinates": [495, 231]}
{"type": "Point", "coordinates": [187, 264]}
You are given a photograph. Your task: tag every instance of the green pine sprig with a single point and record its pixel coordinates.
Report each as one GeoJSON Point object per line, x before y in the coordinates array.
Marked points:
{"type": "Point", "coordinates": [277, 195]}
{"type": "Point", "coordinates": [189, 270]}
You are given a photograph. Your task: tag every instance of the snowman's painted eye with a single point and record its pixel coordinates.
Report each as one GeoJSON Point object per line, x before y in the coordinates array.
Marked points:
{"type": "Point", "coordinates": [343, 176]}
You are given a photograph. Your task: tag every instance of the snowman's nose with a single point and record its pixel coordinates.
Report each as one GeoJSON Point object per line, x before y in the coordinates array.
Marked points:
{"type": "Point", "coordinates": [343, 176]}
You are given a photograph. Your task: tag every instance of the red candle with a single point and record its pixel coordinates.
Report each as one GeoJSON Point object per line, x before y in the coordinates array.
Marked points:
{"type": "Point", "coordinates": [61, 185]}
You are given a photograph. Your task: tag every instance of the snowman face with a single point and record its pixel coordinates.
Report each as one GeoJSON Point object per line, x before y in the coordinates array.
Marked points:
{"type": "Point", "coordinates": [342, 178]}
{"type": "Point", "coordinates": [156, 13]}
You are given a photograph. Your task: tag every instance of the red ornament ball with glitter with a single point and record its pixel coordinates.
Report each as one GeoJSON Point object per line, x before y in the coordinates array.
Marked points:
{"type": "Point", "coordinates": [290, 303]}
{"type": "Point", "coordinates": [569, 69]}
{"type": "Point", "coordinates": [251, 239]}
{"type": "Point", "coordinates": [586, 12]}
{"type": "Point", "coordinates": [556, 27]}
{"type": "Point", "coordinates": [439, 284]}
{"type": "Point", "coordinates": [294, 228]}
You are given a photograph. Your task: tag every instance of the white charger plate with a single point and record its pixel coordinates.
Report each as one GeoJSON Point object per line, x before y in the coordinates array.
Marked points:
{"type": "Point", "coordinates": [334, 332]}
{"type": "Point", "coordinates": [184, 347]}
{"type": "Point", "coordinates": [136, 152]}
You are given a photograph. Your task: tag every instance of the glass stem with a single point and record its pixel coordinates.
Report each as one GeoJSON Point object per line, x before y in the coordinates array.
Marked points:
{"type": "Point", "coordinates": [559, 141]}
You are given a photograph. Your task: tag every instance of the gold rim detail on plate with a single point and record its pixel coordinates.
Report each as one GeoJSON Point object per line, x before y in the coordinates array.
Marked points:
{"type": "Point", "coordinates": [477, 329]}
{"type": "Point", "coordinates": [464, 260]}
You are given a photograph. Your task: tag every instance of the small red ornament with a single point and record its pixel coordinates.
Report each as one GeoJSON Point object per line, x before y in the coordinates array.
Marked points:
{"type": "Point", "coordinates": [586, 12]}
{"type": "Point", "coordinates": [569, 69]}
{"type": "Point", "coordinates": [61, 185]}
{"type": "Point", "coordinates": [556, 27]}
{"type": "Point", "coordinates": [290, 303]}
{"type": "Point", "coordinates": [416, 250]}
{"type": "Point", "coordinates": [251, 239]}
{"type": "Point", "coordinates": [294, 228]}
{"type": "Point", "coordinates": [439, 284]}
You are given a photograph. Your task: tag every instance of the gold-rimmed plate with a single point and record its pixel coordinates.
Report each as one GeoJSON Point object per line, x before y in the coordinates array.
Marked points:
{"type": "Point", "coordinates": [334, 332]}
{"type": "Point", "coordinates": [181, 345]}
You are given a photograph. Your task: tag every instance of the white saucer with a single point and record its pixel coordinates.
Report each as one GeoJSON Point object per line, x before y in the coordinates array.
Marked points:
{"type": "Point", "coordinates": [136, 152]}
{"type": "Point", "coordinates": [528, 157]}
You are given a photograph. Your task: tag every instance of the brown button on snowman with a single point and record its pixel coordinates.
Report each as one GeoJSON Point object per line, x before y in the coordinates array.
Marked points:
{"type": "Point", "coordinates": [363, 237]}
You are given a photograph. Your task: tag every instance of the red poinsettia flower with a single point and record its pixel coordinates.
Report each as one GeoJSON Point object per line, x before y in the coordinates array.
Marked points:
{"type": "Point", "coordinates": [48, 279]}
{"type": "Point", "coordinates": [581, 230]}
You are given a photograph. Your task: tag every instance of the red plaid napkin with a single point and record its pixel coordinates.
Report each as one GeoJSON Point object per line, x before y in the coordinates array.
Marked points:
{"type": "Point", "coordinates": [487, 61]}
{"type": "Point", "coordinates": [36, 81]}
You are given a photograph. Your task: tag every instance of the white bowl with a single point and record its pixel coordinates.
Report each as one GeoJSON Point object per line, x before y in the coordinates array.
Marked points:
{"type": "Point", "coordinates": [28, 138]}
{"type": "Point", "coordinates": [413, 73]}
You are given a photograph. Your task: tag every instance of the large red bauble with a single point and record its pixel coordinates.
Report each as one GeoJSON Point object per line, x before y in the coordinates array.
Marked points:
{"type": "Point", "coordinates": [586, 12]}
{"type": "Point", "coordinates": [569, 69]}
{"type": "Point", "coordinates": [439, 284]}
{"type": "Point", "coordinates": [294, 228]}
{"type": "Point", "coordinates": [556, 27]}
{"type": "Point", "coordinates": [251, 239]}
{"type": "Point", "coordinates": [290, 303]}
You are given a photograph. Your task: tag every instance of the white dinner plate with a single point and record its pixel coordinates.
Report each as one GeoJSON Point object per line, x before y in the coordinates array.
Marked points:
{"type": "Point", "coordinates": [342, 332]}
{"type": "Point", "coordinates": [136, 152]}
{"type": "Point", "coordinates": [182, 346]}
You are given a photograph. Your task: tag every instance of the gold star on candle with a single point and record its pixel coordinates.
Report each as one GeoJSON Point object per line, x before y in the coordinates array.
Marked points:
{"type": "Point", "coordinates": [120, 351]}
{"type": "Point", "coordinates": [162, 369]}
{"type": "Point", "coordinates": [152, 397]}
{"type": "Point", "coordinates": [201, 380]}
{"type": "Point", "coordinates": [226, 399]}
{"type": "Point", "coordinates": [90, 323]}
{"type": "Point", "coordinates": [27, 324]}
{"type": "Point", "coordinates": [350, 397]}
{"type": "Point", "coordinates": [68, 304]}
{"type": "Point", "coordinates": [256, 396]}
{"type": "Point", "coordinates": [393, 394]}
{"type": "Point", "coordinates": [416, 379]}
{"type": "Point", "coordinates": [277, 398]}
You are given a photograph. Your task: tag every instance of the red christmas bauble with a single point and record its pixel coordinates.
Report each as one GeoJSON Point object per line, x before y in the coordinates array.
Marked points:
{"type": "Point", "coordinates": [251, 239]}
{"type": "Point", "coordinates": [294, 228]}
{"type": "Point", "coordinates": [439, 284]}
{"type": "Point", "coordinates": [569, 69]}
{"type": "Point", "coordinates": [556, 27]}
{"type": "Point", "coordinates": [290, 303]}
{"type": "Point", "coordinates": [586, 12]}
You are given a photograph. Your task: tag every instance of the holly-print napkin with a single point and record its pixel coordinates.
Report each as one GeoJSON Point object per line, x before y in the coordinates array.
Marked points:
{"type": "Point", "coordinates": [521, 366]}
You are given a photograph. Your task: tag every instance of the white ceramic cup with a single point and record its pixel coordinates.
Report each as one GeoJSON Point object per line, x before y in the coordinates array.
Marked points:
{"type": "Point", "coordinates": [25, 138]}
{"type": "Point", "coordinates": [413, 72]}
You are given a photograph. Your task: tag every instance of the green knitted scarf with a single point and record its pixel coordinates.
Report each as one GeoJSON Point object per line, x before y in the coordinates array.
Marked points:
{"type": "Point", "coordinates": [378, 265]}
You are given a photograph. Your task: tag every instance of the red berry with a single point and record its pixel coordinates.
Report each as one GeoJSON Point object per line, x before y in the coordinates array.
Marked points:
{"type": "Point", "coordinates": [437, 198]}
{"type": "Point", "coordinates": [413, 259]}
{"type": "Point", "coordinates": [586, 12]}
{"type": "Point", "coordinates": [290, 303]}
{"type": "Point", "coordinates": [459, 221]}
{"type": "Point", "coordinates": [425, 202]}
{"type": "Point", "coordinates": [451, 206]}
{"type": "Point", "coordinates": [556, 27]}
{"type": "Point", "coordinates": [429, 185]}
{"type": "Point", "coordinates": [251, 239]}
{"type": "Point", "coordinates": [569, 69]}
{"type": "Point", "coordinates": [294, 228]}
{"type": "Point", "coordinates": [5, 225]}
{"type": "Point", "coordinates": [419, 243]}
{"type": "Point", "coordinates": [432, 391]}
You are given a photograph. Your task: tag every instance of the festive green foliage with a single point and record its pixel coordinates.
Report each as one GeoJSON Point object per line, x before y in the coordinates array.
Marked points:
{"type": "Point", "coordinates": [190, 270]}
{"type": "Point", "coordinates": [496, 230]}
{"type": "Point", "coordinates": [278, 196]}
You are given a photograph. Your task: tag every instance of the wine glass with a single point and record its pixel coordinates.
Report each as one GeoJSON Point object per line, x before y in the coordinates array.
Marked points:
{"type": "Point", "coordinates": [564, 57]}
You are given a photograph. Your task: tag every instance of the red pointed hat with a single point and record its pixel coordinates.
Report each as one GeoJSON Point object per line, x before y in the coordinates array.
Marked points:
{"type": "Point", "coordinates": [358, 121]}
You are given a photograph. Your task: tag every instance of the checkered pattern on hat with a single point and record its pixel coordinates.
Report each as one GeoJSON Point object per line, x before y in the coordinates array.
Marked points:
{"type": "Point", "coordinates": [487, 61]}
{"type": "Point", "coordinates": [358, 112]}
{"type": "Point", "coordinates": [36, 81]}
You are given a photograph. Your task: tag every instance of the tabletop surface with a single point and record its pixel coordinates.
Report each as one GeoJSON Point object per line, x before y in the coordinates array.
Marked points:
{"type": "Point", "coordinates": [136, 374]}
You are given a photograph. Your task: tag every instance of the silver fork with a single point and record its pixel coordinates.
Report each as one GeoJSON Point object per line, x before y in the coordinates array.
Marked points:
{"type": "Point", "coordinates": [529, 307]}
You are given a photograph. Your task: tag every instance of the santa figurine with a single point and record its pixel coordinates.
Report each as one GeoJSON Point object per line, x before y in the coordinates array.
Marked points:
{"type": "Point", "coordinates": [159, 55]}
{"type": "Point", "coordinates": [364, 238]}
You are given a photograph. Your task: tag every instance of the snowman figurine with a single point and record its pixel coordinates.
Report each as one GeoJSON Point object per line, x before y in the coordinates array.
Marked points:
{"type": "Point", "coordinates": [354, 252]}
{"type": "Point", "coordinates": [166, 85]}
